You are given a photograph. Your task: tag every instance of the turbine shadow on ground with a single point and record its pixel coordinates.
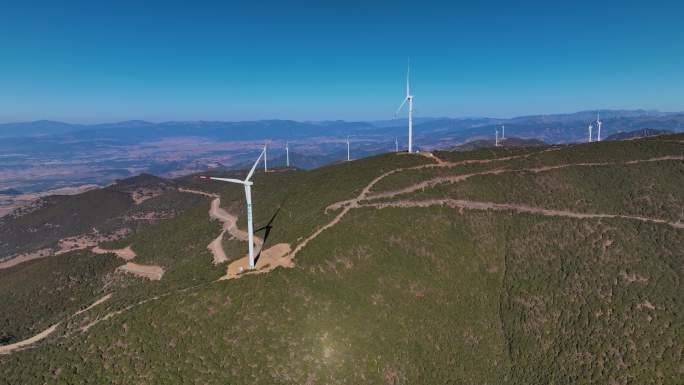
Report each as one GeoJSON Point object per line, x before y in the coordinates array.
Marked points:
{"type": "Point", "coordinates": [267, 230]}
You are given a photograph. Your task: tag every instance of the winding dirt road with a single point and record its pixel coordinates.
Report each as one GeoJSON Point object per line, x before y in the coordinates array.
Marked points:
{"type": "Point", "coordinates": [365, 195]}
{"type": "Point", "coordinates": [460, 178]}
{"type": "Point", "coordinates": [519, 208]}
{"type": "Point", "coordinates": [229, 226]}
{"type": "Point", "coordinates": [7, 349]}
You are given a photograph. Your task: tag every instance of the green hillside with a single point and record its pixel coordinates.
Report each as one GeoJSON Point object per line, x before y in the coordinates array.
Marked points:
{"type": "Point", "coordinates": [102, 212]}
{"type": "Point", "coordinates": [540, 265]}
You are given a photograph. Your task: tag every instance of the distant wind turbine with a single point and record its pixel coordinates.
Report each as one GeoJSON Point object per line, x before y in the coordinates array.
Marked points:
{"type": "Point", "coordinates": [496, 137]}
{"type": "Point", "coordinates": [409, 99]}
{"type": "Point", "coordinates": [348, 157]}
{"type": "Point", "coordinates": [265, 157]}
{"type": "Point", "coordinates": [590, 127]}
{"type": "Point", "coordinates": [287, 154]}
{"type": "Point", "coordinates": [396, 144]}
{"type": "Point", "coordinates": [598, 124]}
{"type": "Point", "coordinates": [503, 132]}
{"type": "Point", "coordinates": [248, 197]}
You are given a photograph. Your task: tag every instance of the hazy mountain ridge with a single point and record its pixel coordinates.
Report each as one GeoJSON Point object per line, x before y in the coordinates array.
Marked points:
{"type": "Point", "coordinates": [52, 155]}
{"type": "Point", "coordinates": [283, 129]}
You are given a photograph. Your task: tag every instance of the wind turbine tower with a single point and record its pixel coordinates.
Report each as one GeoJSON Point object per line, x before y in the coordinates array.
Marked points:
{"type": "Point", "coordinates": [287, 155]}
{"type": "Point", "coordinates": [409, 99]}
{"type": "Point", "coordinates": [265, 157]}
{"type": "Point", "coordinates": [496, 137]}
{"type": "Point", "coordinates": [396, 144]}
{"type": "Point", "coordinates": [248, 197]}
{"type": "Point", "coordinates": [348, 158]}
{"type": "Point", "coordinates": [503, 132]}
{"type": "Point", "coordinates": [590, 127]}
{"type": "Point", "coordinates": [598, 124]}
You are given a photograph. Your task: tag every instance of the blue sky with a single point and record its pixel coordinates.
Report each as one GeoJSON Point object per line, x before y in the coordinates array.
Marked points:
{"type": "Point", "coordinates": [95, 61]}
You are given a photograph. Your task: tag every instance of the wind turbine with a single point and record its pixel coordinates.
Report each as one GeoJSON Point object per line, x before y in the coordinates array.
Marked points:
{"type": "Point", "coordinates": [409, 99]}
{"type": "Point", "coordinates": [590, 127]}
{"type": "Point", "coordinates": [503, 132]}
{"type": "Point", "coordinates": [598, 123]}
{"type": "Point", "coordinates": [348, 158]}
{"type": "Point", "coordinates": [287, 154]}
{"type": "Point", "coordinates": [265, 156]}
{"type": "Point", "coordinates": [248, 197]}
{"type": "Point", "coordinates": [396, 144]}
{"type": "Point", "coordinates": [496, 137]}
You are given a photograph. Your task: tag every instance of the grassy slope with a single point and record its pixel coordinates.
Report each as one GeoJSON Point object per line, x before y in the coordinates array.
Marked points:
{"type": "Point", "coordinates": [398, 296]}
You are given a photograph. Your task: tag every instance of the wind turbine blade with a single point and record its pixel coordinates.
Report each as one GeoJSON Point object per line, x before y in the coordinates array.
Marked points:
{"type": "Point", "coordinates": [255, 164]}
{"type": "Point", "coordinates": [408, 72]}
{"type": "Point", "coordinates": [401, 106]}
{"type": "Point", "coordinates": [231, 180]}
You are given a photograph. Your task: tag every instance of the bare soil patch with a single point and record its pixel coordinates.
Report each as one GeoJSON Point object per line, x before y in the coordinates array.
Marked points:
{"type": "Point", "coordinates": [275, 256]}
{"type": "Point", "coordinates": [151, 272]}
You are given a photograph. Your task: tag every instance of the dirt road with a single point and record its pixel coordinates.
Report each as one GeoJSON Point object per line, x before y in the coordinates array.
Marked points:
{"type": "Point", "coordinates": [229, 226]}
{"type": "Point", "coordinates": [519, 208]}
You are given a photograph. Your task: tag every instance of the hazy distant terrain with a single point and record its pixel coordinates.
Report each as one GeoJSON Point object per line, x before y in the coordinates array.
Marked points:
{"type": "Point", "coordinates": [39, 156]}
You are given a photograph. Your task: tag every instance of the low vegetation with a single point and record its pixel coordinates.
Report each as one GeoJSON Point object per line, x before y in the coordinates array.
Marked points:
{"type": "Point", "coordinates": [395, 295]}
{"type": "Point", "coordinates": [37, 294]}
{"type": "Point", "coordinates": [96, 212]}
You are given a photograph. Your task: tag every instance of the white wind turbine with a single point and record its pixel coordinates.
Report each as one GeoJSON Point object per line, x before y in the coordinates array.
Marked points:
{"type": "Point", "coordinates": [496, 137]}
{"type": "Point", "coordinates": [265, 157]}
{"type": "Point", "coordinates": [409, 99]}
{"type": "Point", "coordinates": [590, 127]}
{"type": "Point", "coordinates": [396, 144]}
{"type": "Point", "coordinates": [287, 154]}
{"type": "Point", "coordinates": [248, 197]}
{"type": "Point", "coordinates": [503, 132]}
{"type": "Point", "coordinates": [598, 124]}
{"type": "Point", "coordinates": [348, 157]}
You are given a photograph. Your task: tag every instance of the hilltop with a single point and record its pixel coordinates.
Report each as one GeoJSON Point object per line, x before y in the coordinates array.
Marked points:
{"type": "Point", "coordinates": [636, 134]}
{"type": "Point", "coordinates": [510, 265]}
{"type": "Point", "coordinates": [508, 142]}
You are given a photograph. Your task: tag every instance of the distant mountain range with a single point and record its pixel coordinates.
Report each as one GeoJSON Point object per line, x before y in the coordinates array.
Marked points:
{"type": "Point", "coordinates": [46, 155]}
{"type": "Point", "coordinates": [430, 132]}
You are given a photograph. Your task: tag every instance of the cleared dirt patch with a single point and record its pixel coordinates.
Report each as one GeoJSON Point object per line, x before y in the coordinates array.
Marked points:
{"type": "Point", "coordinates": [65, 245]}
{"type": "Point", "coordinates": [85, 241]}
{"type": "Point", "coordinates": [275, 256]}
{"type": "Point", "coordinates": [151, 272]}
